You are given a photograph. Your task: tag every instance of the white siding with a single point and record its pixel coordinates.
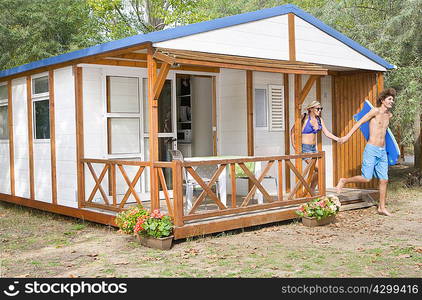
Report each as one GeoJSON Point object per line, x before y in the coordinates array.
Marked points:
{"type": "Point", "coordinates": [232, 137]}
{"type": "Point", "coordinates": [267, 38]}
{"type": "Point", "coordinates": [4, 167]}
{"type": "Point", "coordinates": [64, 93]}
{"type": "Point", "coordinates": [42, 171]}
{"type": "Point", "coordinates": [315, 46]}
{"type": "Point", "coordinates": [20, 135]}
{"type": "Point", "coordinates": [327, 114]}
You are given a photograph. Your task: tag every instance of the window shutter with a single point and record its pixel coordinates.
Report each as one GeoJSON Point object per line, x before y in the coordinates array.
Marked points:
{"type": "Point", "coordinates": [276, 103]}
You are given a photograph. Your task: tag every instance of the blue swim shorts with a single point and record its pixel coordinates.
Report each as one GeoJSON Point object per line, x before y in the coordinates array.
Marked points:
{"type": "Point", "coordinates": [375, 162]}
{"type": "Point", "coordinates": [308, 148]}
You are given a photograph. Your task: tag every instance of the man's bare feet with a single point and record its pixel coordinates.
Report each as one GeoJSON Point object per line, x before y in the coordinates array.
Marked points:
{"type": "Point", "coordinates": [384, 212]}
{"type": "Point", "coordinates": [340, 185]}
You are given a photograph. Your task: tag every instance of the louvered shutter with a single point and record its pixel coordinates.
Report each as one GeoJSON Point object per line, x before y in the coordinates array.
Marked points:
{"type": "Point", "coordinates": [276, 104]}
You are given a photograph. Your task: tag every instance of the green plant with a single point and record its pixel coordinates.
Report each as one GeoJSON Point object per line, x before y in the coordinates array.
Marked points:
{"type": "Point", "coordinates": [126, 220]}
{"type": "Point", "coordinates": [154, 224]}
{"type": "Point", "coordinates": [320, 208]}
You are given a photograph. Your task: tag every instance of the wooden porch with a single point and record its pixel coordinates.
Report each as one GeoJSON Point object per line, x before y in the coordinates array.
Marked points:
{"type": "Point", "coordinates": [209, 212]}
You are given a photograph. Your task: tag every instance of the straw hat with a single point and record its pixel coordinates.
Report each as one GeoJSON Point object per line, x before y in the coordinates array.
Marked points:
{"type": "Point", "coordinates": [313, 104]}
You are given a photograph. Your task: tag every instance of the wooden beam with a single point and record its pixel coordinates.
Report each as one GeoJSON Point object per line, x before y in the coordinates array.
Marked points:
{"type": "Point", "coordinates": [79, 121]}
{"type": "Point", "coordinates": [177, 193]}
{"type": "Point", "coordinates": [319, 99]}
{"type": "Point", "coordinates": [307, 88]}
{"type": "Point", "coordinates": [77, 61]}
{"type": "Point", "coordinates": [30, 137]}
{"type": "Point", "coordinates": [106, 219]}
{"type": "Point", "coordinates": [292, 36]}
{"type": "Point", "coordinates": [161, 79]}
{"type": "Point", "coordinates": [134, 56]}
{"type": "Point", "coordinates": [52, 138]}
{"type": "Point", "coordinates": [298, 124]}
{"type": "Point", "coordinates": [287, 127]}
{"type": "Point", "coordinates": [164, 58]}
{"type": "Point", "coordinates": [153, 127]}
{"type": "Point", "coordinates": [249, 112]}
{"type": "Point", "coordinates": [249, 67]}
{"type": "Point", "coordinates": [11, 140]}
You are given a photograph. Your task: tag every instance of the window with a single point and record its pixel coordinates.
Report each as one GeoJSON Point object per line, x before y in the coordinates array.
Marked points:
{"type": "Point", "coordinates": [4, 128]}
{"type": "Point", "coordinates": [123, 115]}
{"type": "Point", "coordinates": [41, 107]}
{"type": "Point", "coordinates": [261, 117]}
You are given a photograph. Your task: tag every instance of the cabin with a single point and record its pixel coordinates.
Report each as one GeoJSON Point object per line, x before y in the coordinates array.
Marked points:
{"type": "Point", "coordinates": [91, 132]}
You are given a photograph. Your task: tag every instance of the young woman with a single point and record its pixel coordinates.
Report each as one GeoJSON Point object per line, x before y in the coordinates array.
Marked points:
{"type": "Point", "coordinates": [312, 123]}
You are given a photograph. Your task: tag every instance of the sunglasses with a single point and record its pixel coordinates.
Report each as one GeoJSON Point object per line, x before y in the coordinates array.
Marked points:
{"type": "Point", "coordinates": [318, 108]}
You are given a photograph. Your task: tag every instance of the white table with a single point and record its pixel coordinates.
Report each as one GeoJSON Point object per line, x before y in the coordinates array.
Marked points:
{"type": "Point", "coordinates": [222, 180]}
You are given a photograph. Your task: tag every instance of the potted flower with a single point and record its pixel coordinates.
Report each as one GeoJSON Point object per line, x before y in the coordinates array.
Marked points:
{"type": "Point", "coordinates": [319, 211]}
{"type": "Point", "coordinates": [154, 230]}
{"type": "Point", "coordinates": [126, 220]}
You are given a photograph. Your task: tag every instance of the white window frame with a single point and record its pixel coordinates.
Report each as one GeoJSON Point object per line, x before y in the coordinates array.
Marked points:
{"type": "Point", "coordinates": [37, 98]}
{"type": "Point", "coordinates": [261, 87]}
{"type": "Point", "coordinates": [5, 102]}
{"type": "Point", "coordinates": [108, 115]}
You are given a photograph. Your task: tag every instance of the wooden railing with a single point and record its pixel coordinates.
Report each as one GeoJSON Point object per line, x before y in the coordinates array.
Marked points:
{"type": "Point", "coordinates": [176, 203]}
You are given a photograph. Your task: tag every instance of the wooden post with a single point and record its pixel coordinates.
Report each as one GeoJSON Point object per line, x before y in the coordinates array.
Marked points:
{"type": "Point", "coordinates": [153, 127]}
{"type": "Point", "coordinates": [319, 99]}
{"type": "Point", "coordinates": [321, 175]}
{"type": "Point", "coordinates": [298, 125]}
{"type": "Point", "coordinates": [11, 141]}
{"type": "Point", "coordinates": [52, 137]}
{"type": "Point", "coordinates": [287, 127]}
{"type": "Point", "coordinates": [79, 116]}
{"type": "Point", "coordinates": [292, 37]}
{"type": "Point", "coordinates": [30, 137]}
{"type": "Point", "coordinates": [249, 111]}
{"type": "Point", "coordinates": [177, 193]}
{"type": "Point", "coordinates": [214, 115]}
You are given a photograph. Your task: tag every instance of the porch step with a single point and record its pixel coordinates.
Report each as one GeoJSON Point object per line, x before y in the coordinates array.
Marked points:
{"type": "Point", "coordinates": [354, 198]}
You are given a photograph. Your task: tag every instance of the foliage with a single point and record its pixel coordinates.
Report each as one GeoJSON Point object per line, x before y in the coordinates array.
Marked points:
{"type": "Point", "coordinates": [31, 30]}
{"type": "Point", "coordinates": [122, 18]}
{"type": "Point", "coordinates": [154, 224]}
{"type": "Point", "coordinates": [126, 220]}
{"type": "Point", "coordinates": [320, 208]}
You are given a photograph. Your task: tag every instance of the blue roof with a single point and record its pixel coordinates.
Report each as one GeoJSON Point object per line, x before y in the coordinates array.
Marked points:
{"type": "Point", "coordinates": [182, 31]}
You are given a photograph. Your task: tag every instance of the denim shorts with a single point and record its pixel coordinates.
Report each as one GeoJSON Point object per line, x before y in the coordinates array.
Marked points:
{"type": "Point", "coordinates": [375, 162]}
{"type": "Point", "coordinates": [308, 148]}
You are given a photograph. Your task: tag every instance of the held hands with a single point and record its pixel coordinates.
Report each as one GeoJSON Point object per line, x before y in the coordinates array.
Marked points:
{"type": "Point", "coordinates": [343, 139]}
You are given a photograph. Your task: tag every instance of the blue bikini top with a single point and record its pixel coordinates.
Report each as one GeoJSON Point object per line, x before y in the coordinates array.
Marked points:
{"type": "Point", "coordinates": [309, 128]}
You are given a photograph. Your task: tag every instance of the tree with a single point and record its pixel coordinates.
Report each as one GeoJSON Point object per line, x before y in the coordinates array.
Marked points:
{"type": "Point", "coordinates": [31, 30]}
{"type": "Point", "coordinates": [121, 18]}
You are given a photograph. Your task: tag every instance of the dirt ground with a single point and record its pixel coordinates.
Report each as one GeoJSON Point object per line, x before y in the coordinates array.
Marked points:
{"type": "Point", "coordinates": [360, 244]}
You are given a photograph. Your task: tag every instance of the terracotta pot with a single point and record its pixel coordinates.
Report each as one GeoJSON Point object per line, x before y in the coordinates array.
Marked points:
{"type": "Point", "coordinates": [312, 222]}
{"type": "Point", "coordinates": [163, 243]}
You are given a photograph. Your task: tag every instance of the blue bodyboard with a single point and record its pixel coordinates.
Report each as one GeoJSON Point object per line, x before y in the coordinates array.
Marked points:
{"type": "Point", "coordinates": [391, 146]}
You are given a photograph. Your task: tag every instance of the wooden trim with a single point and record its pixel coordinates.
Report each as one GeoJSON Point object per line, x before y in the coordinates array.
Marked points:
{"type": "Point", "coordinates": [251, 68]}
{"type": "Point", "coordinates": [249, 113]}
{"type": "Point", "coordinates": [298, 124]}
{"type": "Point", "coordinates": [380, 82]}
{"type": "Point", "coordinates": [11, 137]}
{"type": "Point", "coordinates": [292, 36]}
{"type": "Point", "coordinates": [52, 138]}
{"type": "Point", "coordinates": [164, 58]}
{"type": "Point", "coordinates": [161, 79]}
{"type": "Point", "coordinates": [307, 88]}
{"type": "Point", "coordinates": [177, 193]}
{"type": "Point", "coordinates": [79, 119]}
{"type": "Point", "coordinates": [153, 127]}
{"type": "Point", "coordinates": [30, 137]}
{"type": "Point", "coordinates": [228, 224]}
{"type": "Point", "coordinates": [287, 127]}
{"type": "Point", "coordinates": [82, 214]}
{"type": "Point", "coordinates": [77, 61]}
{"type": "Point", "coordinates": [233, 185]}
{"type": "Point", "coordinates": [319, 98]}
{"type": "Point", "coordinates": [214, 115]}
{"type": "Point", "coordinates": [335, 129]}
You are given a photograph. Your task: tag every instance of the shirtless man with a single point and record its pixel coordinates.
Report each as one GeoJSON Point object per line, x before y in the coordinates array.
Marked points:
{"type": "Point", "coordinates": [374, 160]}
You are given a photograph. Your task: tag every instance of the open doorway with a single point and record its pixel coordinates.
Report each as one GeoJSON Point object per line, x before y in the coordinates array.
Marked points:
{"type": "Point", "coordinates": [196, 128]}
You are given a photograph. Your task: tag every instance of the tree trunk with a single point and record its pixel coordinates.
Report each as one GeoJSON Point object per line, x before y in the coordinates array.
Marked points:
{"type": "Point", "coordinates": [417, 146]}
